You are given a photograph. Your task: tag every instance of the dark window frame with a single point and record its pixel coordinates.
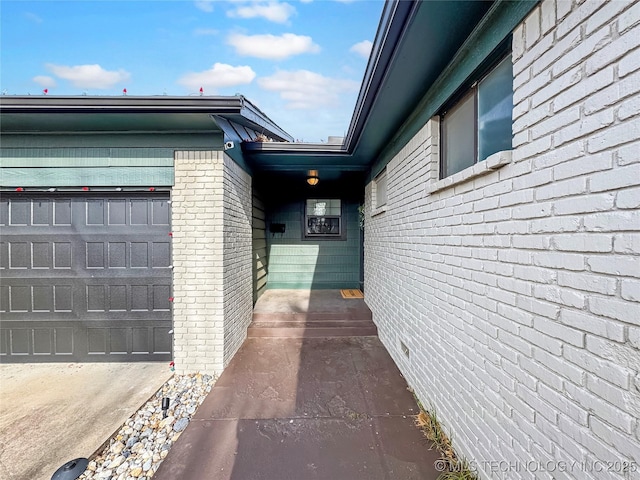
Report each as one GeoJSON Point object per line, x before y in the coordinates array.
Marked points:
{"type": "Point", "coordinates": [342, 235]}
{"type": "Point", "coordinates": [457, 100]}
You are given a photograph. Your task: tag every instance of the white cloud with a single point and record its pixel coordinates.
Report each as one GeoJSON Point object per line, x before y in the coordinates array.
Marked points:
{"type": "Point", "coordinates": [219, 76]}
{"type": "Point", "coordinates": [272, 47]}
{"type": "Point", "coordinates": [362, 48]}
{"type": "Point", "coordinates": [303, 89]}
{"type": "Point", "coordinates": [89, 76]}
{"type": "Point", "coordinates": [45, 81]}
{"type": "Point", "coordinates": [204, 5]}
{"type": "Point", "coordinates": [273, 11]}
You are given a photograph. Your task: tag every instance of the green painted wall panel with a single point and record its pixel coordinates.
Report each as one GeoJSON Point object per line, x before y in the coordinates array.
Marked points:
{"type": "Point", "coordinates": [301, 264]}
{"type": "Point", "coordinates": [178, 141]}
{"type": "Point", "coordinates": [110, 160]}
{"type": "Point", "coordinates": [85, 157]}
{"type": "Point", "coordinates": [90, 177]}
{"type": "Point", "coordinates": [259, 239]}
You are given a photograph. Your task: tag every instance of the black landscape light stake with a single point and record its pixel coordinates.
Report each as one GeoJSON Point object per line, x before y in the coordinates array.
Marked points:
{"type": "Point", "coordinates": [71, 470]}
{"type": "Point", "coordinates": [165, 406]}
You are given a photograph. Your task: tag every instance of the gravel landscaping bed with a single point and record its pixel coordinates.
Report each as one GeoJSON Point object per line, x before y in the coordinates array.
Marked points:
{"type": "Point", "coordinates": [136, 451]}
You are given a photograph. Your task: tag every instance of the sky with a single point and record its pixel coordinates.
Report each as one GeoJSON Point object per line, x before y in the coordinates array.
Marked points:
{"type": "Point", "coordinates": [300, 61]}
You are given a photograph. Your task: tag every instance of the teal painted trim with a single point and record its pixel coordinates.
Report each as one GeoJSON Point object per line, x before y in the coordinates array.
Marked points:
{"type": "Point", "coordinates": [89, 177]}
{"type": "Point", "coordinates": [175, 141]}
{"type": "Point", "coordinates": [85, 157]}
{"type": "Point", "coordinates": [494, 28]}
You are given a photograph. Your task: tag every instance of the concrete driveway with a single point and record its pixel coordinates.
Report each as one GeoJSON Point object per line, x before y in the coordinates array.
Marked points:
{"type": "Point", "coordinates": [53, 413]}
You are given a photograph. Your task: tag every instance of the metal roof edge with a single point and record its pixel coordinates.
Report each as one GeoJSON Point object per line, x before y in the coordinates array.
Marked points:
{"type": "Point", "coordinates": [122, 104]}
{"type": "Point", "coordinates": [395, 17]}
{"type": "Point", "coordinates": [260, 119]}
{"type": "Point", "coordinates": [293, 147]}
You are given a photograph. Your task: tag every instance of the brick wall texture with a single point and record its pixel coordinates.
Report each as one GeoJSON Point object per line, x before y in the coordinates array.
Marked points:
{"type": "Point", "coordinates": [517, 292]}
{"type": "Point", "coordinates": [211, 226]}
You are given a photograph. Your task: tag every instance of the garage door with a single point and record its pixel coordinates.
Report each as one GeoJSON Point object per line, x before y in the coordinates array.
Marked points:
{"type": "Point", "coordinates": [85, 278]}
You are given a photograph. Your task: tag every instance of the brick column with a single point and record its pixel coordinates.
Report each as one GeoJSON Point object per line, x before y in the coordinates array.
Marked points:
{"type": "Point", "coordinates": [197, 209]}
{"type": "Point", "coordinates": [211, 224]}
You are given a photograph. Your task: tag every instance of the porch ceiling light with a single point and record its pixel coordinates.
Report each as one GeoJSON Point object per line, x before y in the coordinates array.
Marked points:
{"type": "Point", "coordinates": [312, 177]}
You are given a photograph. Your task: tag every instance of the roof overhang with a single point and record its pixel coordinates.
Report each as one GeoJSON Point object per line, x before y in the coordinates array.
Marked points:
{"type": "Point", "coordinates": [73, 114]}
{"type": "Point", "coordinates": [415, 44]}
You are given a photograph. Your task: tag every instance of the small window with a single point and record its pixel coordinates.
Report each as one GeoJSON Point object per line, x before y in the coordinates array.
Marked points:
{"type": "Point", "coordinates": [323, 218]}
{"type": "Point", "coordinates": [380, 184]}
{"type": "Point", "coordinates": [479, 124]}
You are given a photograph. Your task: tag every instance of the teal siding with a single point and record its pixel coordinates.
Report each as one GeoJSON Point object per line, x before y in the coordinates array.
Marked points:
{"type": "Point", "coordinates": [87, 176]}
{"type": "Point", "coordinates": [298, 263]}
{"type": "Point", "coordinates": [95, 160]}
{"type": "Point", "coordinates": [208, 141]}
{"type": "Point", "coordinates": [259, 244]}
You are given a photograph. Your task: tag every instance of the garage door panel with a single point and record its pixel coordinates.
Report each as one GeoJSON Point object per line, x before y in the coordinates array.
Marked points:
{"type": "Point", "coordinates": [139, 212]}
{"type": "Point", "coordinates": [19, 212]}
{"type": "Point", "coordinates": [4, 212]}
{"type": "Point", "coordinates": [62, 256]}
{"type": "Point", "coordinates": [19, 256]}
{"type": "Point", "coordinates": [95, 255]}
{"type": "Point", "coordinates": [19, 342]}
{"type": "Point", "coordinates": [139, 254]}
{"type": "Point", "coordinates": [4, 298]}
{"type": "Point", "coordinates": [118, 341]}
{"type": "Point", "coordinates": [161, 254]}
{"type": "Point", "coordinates": [161, 340]}
{"type": "Point", "coordinates": [41, 255]}
{"type": "Point", "coordinates": [96, 298]}
{"type": "Point", "coordinates": [85, 278]}
{"type": "Point", "coordinates": [20, 298]}
{"type": "Point", "coordinates": [63, 298]}
{"type": "Point", "coordinates": [117, 252]}
{"type": "Point", "coordinates": [95, 214]}
{"type": "Point", "coordinates": [118, 298]}
{"type": "Point", "coordinates": [41, 212]}
{"type": "Point", "coordinates": [95, 341]}
{"type": "Point", "coordinates": [42, 298]}
{"type": "Point", "coordinates": [62, 212]}
{"type": "Point", "coordinates": [117, 212]}
{"type": "Point", "coordinates": [4, 255]}
{"type": "Point", "coordinates": [160, 212]}
{"type": "Point", "coordinates": [4, 343]}
{"type": "Point", "coordinates": [42, 341]}
{"type": "Point", "coordinates": [140, 338]}
{"type": "Point", "coordinates": [63, 341]}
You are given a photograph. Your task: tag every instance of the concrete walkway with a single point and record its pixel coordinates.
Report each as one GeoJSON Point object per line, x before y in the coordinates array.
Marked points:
{"type": "Point", "coordinates": [52, 413]}
{"type": "Point", "coordinates": [301, 409]}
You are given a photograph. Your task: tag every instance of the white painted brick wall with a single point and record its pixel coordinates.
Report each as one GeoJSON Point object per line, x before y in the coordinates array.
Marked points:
{"type": "Point", "coordinates": [518, 292]}
{"type": "Point", "coordinates": [211, 211]}
{"type": "Point", "coordinates": [237, 257]}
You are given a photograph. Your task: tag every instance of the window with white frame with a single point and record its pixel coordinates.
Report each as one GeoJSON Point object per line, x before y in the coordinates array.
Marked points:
{"type": "Point", "coordinates": [323, 218]}
{"type": "Point", "coordinates": [478, 124]}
